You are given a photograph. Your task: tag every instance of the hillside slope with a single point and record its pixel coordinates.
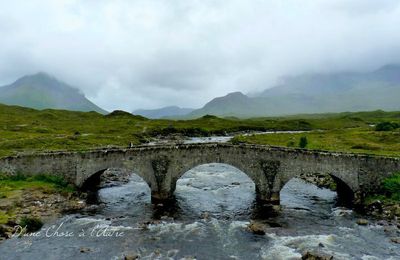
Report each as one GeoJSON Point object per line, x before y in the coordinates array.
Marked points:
{"type": "Point", "coordinates": [164, 112]}
{"type": "Point", "coordinates": [41, 91]}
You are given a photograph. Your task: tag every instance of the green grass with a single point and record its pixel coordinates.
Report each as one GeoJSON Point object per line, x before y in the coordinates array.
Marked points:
{"type": "Point", "coordinates": [12, 188]}
{"type": "Point", "coordinates": [357, 140]}
{"type": "Point", "coordinates": [27, 130]}
{"type": "Point", "coordinates": [9, 185]}
{"type": "Point", "coordinates": [5, 216]}
{"type": "Point", "coordinates": [390, 193]}
{"type": "Point", "coordinates": [391, 187]}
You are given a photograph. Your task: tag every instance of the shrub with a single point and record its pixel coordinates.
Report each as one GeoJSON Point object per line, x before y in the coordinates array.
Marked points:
{"type": "Point", "coordinates": [124, 114]}
{"type": "Point", "coordinates": [365, 147]}
{"type": "Point", "coordinates": [290, 144]}
{"type": "Point", "coordinates": [236, 140]}
{"type": "Point", "coordinates": [392, 186]}
{"type": "Point", "coordinates": [209, 117]}
{"type": "Point", "coordinates": [57, 180]}
{"type": "Point", "coordinates": [13, 177]}
{"type": "Point", "coordinates": [303, 142]}
{"type": "Point", "coordinates": [386, 126]}
{"type": "Point", "coordinates": [32, 224]}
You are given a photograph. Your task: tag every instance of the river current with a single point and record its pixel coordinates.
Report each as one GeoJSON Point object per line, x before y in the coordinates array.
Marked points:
{"type": "Point", "coordinates": [208, 220]}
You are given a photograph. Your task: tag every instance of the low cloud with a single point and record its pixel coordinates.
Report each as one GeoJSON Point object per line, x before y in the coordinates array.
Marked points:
{"type": "Point", "coordinates": [148, 54]}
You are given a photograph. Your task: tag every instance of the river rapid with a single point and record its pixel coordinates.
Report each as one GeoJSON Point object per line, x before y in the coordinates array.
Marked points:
{"type": "Point", "coordinates": [208, 220]}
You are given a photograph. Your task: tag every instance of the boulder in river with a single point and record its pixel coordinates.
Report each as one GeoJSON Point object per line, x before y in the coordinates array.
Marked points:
{"type": "Point", "coordinates": [131, 256]}
{"type": "Point", "coordinates": [257, 228]}
{"type": "Point", "coordinates": [395, 240]}
{"type": "Point", "coordinates": [362, 222]}
{"type": "Point", "coordinates": [85, 250]}
{"type": "Point", "coordinates": [316, 256]}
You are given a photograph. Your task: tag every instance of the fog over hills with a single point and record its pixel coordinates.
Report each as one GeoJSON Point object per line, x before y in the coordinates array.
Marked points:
{"type": "Point", "coordinates": [315, 93]}
{"type": "Point", "coordinates": [170, 111]}
{"type": "Point", "coordinates": [308, 93]}
{"type": "Point", "coordinates": [41, 91]}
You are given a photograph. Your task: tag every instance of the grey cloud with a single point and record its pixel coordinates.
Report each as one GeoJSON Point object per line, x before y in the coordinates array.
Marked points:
{"type": "Point", "coordinates": [148, 53]}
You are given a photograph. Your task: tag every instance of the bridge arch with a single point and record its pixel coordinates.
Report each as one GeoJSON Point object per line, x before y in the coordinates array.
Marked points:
{"type": "Point", "coordinates": [188, 169]}
{"type": "Point", "coordinates": [249, 168]}
{"type": "Point", "coordinates": [345, 191]}
{"type": "Point", "coordinates": [92, 182]}
{"type": "Point", "coordinates": [89, 171]}
{"type": "Point", "coordinates": [215, 188]}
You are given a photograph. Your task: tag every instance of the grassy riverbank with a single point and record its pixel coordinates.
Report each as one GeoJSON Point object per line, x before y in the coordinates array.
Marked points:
{"type": "Point", "coordinates": [29, 130]}
{"type": "Point", "coordinates": [356, 140]}
{"type": "Point", "coordinates": [29, 200]}
{"type": "Point", "coordinates": [390, 192]}
{"type": "Point", "coordinates": [386, 203]}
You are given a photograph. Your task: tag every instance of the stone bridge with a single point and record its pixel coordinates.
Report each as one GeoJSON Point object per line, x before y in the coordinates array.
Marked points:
{"type": "Point", "coordinates": [270, 168]}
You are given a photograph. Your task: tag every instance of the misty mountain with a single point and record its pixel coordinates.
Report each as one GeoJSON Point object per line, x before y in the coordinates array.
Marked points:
{"type": "Point", "coordinates": [164, 112]}
{"type": "Point", "coordinates": [41, 91]}
{"type": "Point", "coordinates": [315, 93]}
{"type": "Point", "coordinates": [233, 104]}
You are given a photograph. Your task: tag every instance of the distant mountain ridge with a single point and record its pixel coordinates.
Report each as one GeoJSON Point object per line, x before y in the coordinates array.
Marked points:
{"type": "Point", "coordinates": [165, 112]}
{"type": "Point", "coordinates": [314, 93]}
{"type": "Point", "coordinates": [41, 91]}
{"type": "Point", "coordinates": [310, 93]}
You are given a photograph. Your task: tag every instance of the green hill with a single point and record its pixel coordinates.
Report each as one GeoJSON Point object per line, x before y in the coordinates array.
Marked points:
{"type": "Point", "coordinates": [43, 91]}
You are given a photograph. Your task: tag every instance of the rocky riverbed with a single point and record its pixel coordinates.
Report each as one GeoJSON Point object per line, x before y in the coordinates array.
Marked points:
{"type": "Point", "coordinates": [387, 212]}
{"type": "Point", "coordinates": [214, 217]}
{"type": "Point", "coordinates": [44, 204]}
{"type": "Point", "coordinates": [36, 203]}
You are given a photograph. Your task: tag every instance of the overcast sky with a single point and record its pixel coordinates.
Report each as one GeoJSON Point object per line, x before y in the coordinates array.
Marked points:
{"type": "Point", "coordinates": [148, 54]}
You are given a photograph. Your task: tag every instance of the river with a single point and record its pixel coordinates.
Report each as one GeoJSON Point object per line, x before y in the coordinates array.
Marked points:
{"type": "Point", "coordinates": [208, 220]}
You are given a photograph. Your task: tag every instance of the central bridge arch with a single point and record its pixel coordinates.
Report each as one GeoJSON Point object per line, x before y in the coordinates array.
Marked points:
{"type": "Point", "coordinates": [244, 166]}
{"type": "Point", "coordinates": [216, 188]}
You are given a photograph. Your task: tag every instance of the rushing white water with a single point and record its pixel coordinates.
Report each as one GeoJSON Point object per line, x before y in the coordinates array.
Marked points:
{"type": "Point", "coordinates": [214, 204]}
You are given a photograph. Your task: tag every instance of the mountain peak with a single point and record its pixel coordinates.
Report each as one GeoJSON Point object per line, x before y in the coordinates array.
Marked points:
{"type": "Point", "coordinates": [392, 66]}
{"type": "Point", "coordinates": [236, 94]}
{"type": "Point", "coordinates": [40, 78]}
{"type": "Point", "coordinates": [169, 111]}
{"type": "Point", "coordinates": [41, 91]}
{"type": "Point", "coordinates": [40, 75]}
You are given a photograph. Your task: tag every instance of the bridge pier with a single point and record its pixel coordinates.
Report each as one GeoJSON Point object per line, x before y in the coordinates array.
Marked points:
{"type": "Point", "coordinates": [271, 198]}
{"type": "Point", "coordinates": [163, 190]}
{"type": "Point", "coordinates": [266, 190]}
{"type": "Point", "coordinates": [161, 197]}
